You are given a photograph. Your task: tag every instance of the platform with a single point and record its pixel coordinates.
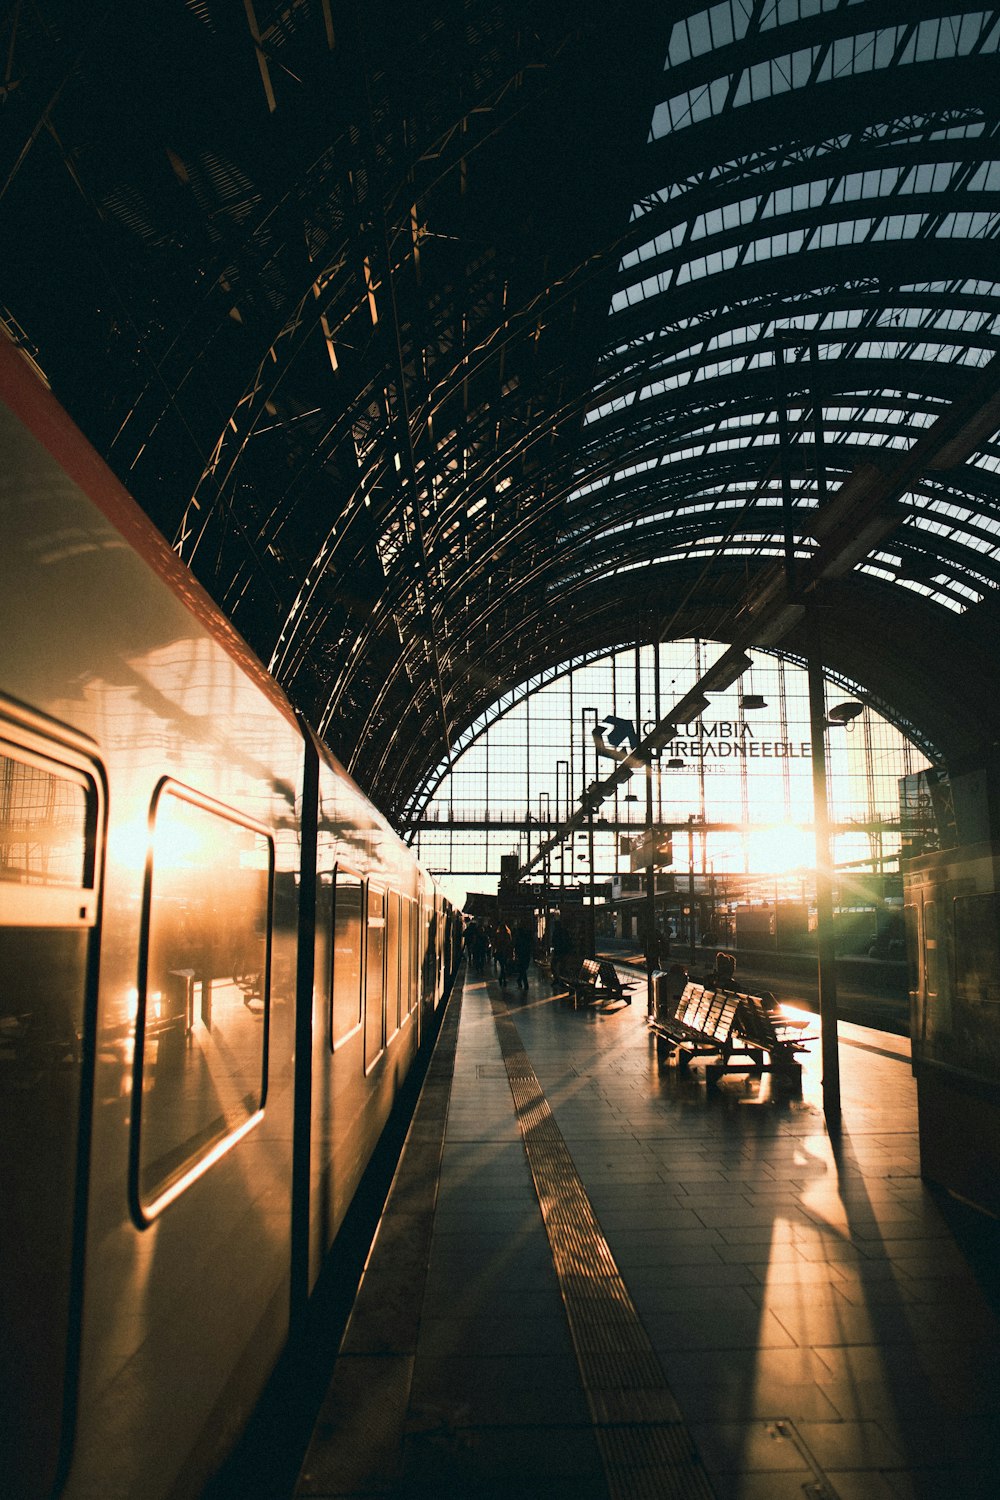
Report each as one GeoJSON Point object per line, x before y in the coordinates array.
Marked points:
{"type": "Point", "coordinates": [593, 1278]}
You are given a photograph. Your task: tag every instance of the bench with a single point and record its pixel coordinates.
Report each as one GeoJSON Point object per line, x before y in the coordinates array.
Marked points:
{"type": "Point", "coordinates": [598, 979]}
{"type": "Point", "coordinates": [735, 1028]}
{"type": "Point", "coordinates": [763, 1032]}
{"type": "Point", "coordinates": [701, 1024]}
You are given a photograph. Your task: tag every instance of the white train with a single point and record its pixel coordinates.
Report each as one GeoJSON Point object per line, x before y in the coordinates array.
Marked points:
{"type": "Point", "coordinates": [217, 963]}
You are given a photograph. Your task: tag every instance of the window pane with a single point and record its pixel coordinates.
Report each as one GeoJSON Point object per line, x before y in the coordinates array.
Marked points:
{"type": "Point", "coordinates": [429, 960]}
{"type": "Point", "coordinates": [43, 826]}
{"type": "Point", "coordinates": [405, 958]}
{"type": "Point", "coordinates": [323, 942]}
{"type": "Point", "coordinates": [972, 1040]}
{"type": "Point", "coordinates": [346, 956]}
{"type": "Point", "coordinates": [414, 955]}
{"type": "Point", "coordinates": [375, 957]}
{"type": "Point", "coordinates": [202, 1054]}
{"type": "Point", "coordinates": [977, 949]}
{"type": "Point", "coordinates": [392, 965]}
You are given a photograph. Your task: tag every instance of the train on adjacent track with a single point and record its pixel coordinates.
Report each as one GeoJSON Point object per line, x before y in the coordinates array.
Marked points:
{"type": "Point", "coordinates": [952, 915]}
{"type": "Point", "coordinates": [219, 963]}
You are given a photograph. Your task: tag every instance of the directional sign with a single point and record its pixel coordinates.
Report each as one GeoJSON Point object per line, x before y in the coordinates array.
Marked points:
{"type": "Point", "coordinates": [615, 737]}
{"type": "Point", "coordinates": [534, 897]}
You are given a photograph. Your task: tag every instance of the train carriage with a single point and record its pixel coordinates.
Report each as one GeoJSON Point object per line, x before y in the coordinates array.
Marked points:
{"type": "Point", "coordinates": [952, 915]}
{"type": "Point", "coordinates": [217, 959]}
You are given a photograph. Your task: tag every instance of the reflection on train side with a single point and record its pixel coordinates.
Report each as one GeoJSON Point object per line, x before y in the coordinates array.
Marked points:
{"type": "Point", "coordinates": [50, 813]}
{"type": "Point", "coordinates": [952, 916]}
{"type": "Point", "coordinates": [158, 997]}
{"type": "Point", "coordinates": [201, 1058]}
{"type": "Point", "coordinates": [343, 981]}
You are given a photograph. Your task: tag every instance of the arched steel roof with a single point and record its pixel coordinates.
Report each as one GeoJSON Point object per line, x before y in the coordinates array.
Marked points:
{"type": "Point", "coordinates": [451, 340]}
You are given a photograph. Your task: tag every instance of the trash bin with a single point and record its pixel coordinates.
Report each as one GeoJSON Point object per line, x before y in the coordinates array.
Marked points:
{"type": "Point", "coordinates": [668, 987]}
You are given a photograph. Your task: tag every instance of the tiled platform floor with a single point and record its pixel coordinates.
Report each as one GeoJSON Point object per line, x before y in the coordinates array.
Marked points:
{"type": "Point", "coordinates": [815, 1319]}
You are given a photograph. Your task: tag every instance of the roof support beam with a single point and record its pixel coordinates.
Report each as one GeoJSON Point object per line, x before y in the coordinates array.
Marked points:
{"type": "Point", "coordinates": [265, 71]}
{"type": "Point", "coordinates": [857, 518]}
{"type": "Point", "coordinates": [408, 457]}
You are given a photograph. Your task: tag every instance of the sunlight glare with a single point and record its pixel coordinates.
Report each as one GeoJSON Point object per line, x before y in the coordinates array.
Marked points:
{"type": "Point", "coordinates": [775, 851]}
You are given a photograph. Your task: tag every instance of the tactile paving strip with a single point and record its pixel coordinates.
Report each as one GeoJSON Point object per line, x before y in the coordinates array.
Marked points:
{"type": "Point", "coordinates": [644, 1444]}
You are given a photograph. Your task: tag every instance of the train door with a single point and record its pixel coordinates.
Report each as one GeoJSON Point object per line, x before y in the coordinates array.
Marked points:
{"type": "Point", "coordinates": [51, 833]}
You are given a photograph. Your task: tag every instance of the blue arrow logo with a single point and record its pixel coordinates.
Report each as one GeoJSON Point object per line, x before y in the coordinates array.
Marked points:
{"type": "Point", "coordinates": [615, 737]}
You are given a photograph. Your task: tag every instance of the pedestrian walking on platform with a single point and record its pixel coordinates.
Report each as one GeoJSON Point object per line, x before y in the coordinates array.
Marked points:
{"type": "Point", "coordinates": [523, 945]}
{"type": "Point", "coordinates": [502, 952]}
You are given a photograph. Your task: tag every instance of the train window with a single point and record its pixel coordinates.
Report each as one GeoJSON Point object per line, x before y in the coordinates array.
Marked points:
{"type": "Point", "coordinates": [391, 965]}
{"type": "Point", "coordinates": [346, 988]}
{"type": "Point", "coordinates": [428, 957]}
{"type": "Point", "coordinates": [326, 874]}
{"type": "Point", "coordinates": [977, 949]}
{"type": "Point", "coordinates": [414, 940]}
{"type": "Point", "coordinates": [405, 961]}
{"type": "Point", "coordinates": [374, 971]}
{"type": "Point", "coordinates": [970, 1040]}
{"type": "Point", "coordinates": [201, 1042]}
{"type": "Point", "coordinates": [48, 822]}
{"type": "Point", "coordinates": [50, 817]}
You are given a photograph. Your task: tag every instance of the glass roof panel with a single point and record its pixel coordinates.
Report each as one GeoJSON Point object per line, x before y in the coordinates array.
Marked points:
{"type": "Point", "coordinates": [670, 245]}
{"type": "Point", "coordinates": [844, 57]}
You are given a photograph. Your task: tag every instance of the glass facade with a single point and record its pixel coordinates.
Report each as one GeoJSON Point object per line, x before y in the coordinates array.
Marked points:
{"type": "Point", "coordinates": [739, 777]}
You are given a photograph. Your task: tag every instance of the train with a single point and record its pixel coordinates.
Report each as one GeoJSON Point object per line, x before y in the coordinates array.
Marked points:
{"type": "Point", "coordinates": [952, 921]}
{"type": "Point", "coordinates": [219, 964]}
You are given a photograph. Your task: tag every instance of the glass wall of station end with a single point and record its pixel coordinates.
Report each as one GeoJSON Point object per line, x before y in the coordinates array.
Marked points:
{"type": "Point", "coordinates": [744, 774]}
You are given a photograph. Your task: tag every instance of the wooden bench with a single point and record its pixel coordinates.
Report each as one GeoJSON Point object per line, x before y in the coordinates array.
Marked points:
{"type": "Point", "coordinates": [764, 1033]}
{"type": "Point", "coordinates": [598, 979]}
{"type": "Point", "coordinates": [734, 1028]}
{"type": "Point", "coordinates": [700, 1025]}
